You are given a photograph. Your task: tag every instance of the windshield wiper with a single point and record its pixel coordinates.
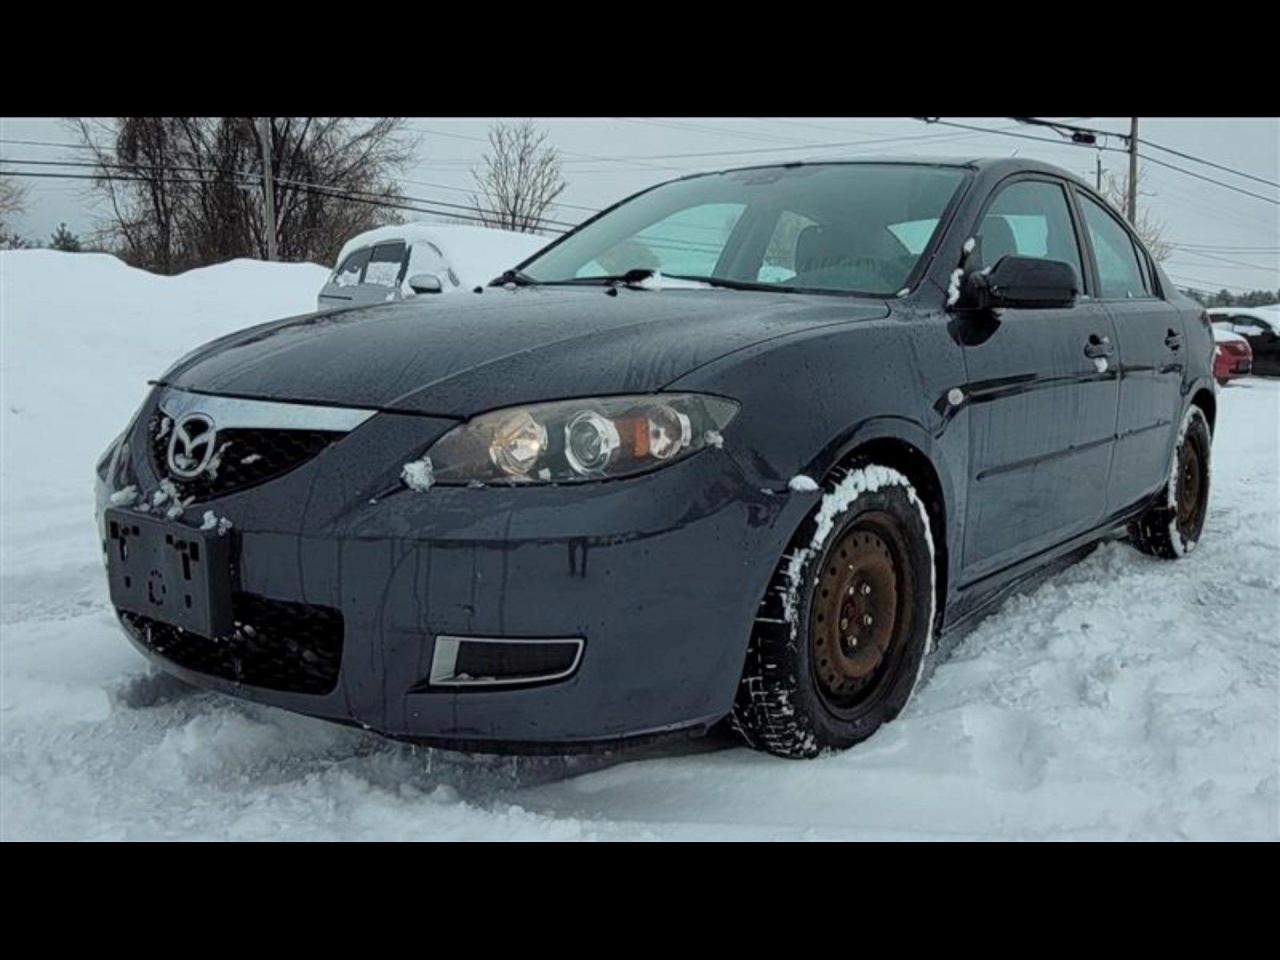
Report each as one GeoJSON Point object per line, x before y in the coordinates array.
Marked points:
{"type": "Point", "coordinates": [738, 284]}
{"type": "Point", "coordinates": [518, 277]}
{"type": "Point", "coordinates": [629, 278]}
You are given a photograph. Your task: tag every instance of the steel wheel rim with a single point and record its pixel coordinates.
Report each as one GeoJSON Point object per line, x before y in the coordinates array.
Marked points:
{"type": "Point", "coordinates": [860, 612]}
{"type": "Point", "coordinates": [1191, 487]}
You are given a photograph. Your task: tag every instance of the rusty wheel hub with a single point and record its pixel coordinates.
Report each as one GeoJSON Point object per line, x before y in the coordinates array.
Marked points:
{"type": "Point", "coordinates": [1189, 483]}
{"type": "Point", "coordinates": [855, 611]}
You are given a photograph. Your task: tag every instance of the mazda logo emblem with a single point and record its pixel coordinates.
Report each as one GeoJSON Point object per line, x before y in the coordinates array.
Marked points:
{"type": "Point", "coordinates": [192, 446]}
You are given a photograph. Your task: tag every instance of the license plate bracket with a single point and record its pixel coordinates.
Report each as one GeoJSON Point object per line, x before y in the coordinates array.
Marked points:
{"type": "Point", "coordinates": [170, 572]}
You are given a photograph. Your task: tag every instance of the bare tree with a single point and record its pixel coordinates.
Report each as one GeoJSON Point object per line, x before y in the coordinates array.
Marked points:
{"type": "Point", "coordinates": [1149, 227]}
{"type": "Point", "coordinates": [188, 191]}
{"type": "Point", "coordinates": [13, 199]}
{"type": "Point", "coordinates": [518, 178]}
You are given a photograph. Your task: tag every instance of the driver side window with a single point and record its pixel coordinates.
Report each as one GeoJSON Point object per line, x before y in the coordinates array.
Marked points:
{"type": "Point", "coordinates": [1029, 218]}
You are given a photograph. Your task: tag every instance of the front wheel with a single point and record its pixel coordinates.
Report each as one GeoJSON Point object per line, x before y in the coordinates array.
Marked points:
{"type": "Point", "coordinates": [847, 621]}
{"type": "Point", "coordinates": [1171, 526]}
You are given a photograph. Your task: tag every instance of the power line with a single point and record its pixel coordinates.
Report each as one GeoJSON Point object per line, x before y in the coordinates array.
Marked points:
{"type": "Point", "coordinates": [566, 153]}
{"type": "Point", "coordinates": [1172, 191]}
{"type": "Point", "coordinates": [1221, 248]}
{"type": "Point", "coordinates": [1239, 263]}
{"type": "Point", "coordinates": [1209, 163]}
{"type": "Point", "coordinates": [1093, 131]}
{"type": "Point", "coordinates": [684, 125]}
{"type": "Point", "coordinates": [445, 186]}
{"type": "Point", "coordinates": [1234, 288]}
{"type": "Point", "coordinates": [1200, 176]}
{"type": "Point", "coordinates": [47, 143]}
{"type": "Point", "coordinates": [1020, 136]}
{"type": "Point", "coordinates": [1183, 170]}
{"type": "Point", "coordinates": [354, 197]}
{"type": "Point", "coordinates": [754, 151]}
{"type": "Point", "coordinates": [253, 178]}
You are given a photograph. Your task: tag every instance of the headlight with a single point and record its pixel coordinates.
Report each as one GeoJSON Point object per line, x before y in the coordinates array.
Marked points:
{"type": "Point", "coordinates": [572, 440]}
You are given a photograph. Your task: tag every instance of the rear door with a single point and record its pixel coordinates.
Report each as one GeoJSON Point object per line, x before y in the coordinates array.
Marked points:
{"type": "Point", "coordinates": [1041, 394]}
{"type": "Point", "coordinates": [1151, 354]}
{"type": "Point", "coordinates": [341, 288]}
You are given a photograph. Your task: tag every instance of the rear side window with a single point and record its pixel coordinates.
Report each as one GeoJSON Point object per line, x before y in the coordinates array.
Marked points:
{"type": "Point", "coordinates": [1030, 218]}
{"type": "Point", "coordinates": [385, 264]}
{"type": "Point", "coordinates": [351, 272]}
{"type": "Point", "coordinates": [1120, 273]}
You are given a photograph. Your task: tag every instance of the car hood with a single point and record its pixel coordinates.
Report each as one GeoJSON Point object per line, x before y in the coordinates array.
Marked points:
{"type": "Point", "coordinates": [459, 356]}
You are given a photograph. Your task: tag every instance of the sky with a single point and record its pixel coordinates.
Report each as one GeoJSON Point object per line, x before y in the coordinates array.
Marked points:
{"type": "Point", "coordinates": [1222, 238]}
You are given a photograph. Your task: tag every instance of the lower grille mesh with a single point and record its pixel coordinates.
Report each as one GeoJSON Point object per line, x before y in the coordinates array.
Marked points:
{"type": "Point", "coordinates": [291, 647]}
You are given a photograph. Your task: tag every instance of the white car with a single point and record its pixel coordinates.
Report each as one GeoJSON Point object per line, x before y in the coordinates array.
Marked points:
{"type": "Point", "coordinates": [404, 260]}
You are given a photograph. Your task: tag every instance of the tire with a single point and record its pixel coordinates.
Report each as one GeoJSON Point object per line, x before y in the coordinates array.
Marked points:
{"type": "Point", "coordinates": [1172, 525]}
{"type": "Point", "coordinates": [1223, 381]}
{"type": "Point", "coordinates": [838, 648]}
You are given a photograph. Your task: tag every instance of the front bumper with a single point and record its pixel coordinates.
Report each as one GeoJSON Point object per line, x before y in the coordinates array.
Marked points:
{"type": "Point", "coordinates": [660, 575]}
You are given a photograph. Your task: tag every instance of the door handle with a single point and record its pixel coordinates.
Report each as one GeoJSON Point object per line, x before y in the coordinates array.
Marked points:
{"type": "Point", "coordinates": [1172, 340]}
{"type": "Point", "coordinates": [1098, 347]}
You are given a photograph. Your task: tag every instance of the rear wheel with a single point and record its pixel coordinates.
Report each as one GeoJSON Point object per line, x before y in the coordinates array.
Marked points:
{"type": "Point", "coordinates": [1171, 527]}
{"type": "Point", "coordinates": [846, 623]}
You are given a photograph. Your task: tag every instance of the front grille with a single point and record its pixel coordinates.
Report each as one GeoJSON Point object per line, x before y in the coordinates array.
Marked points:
{"type": "Point", "coordinates": [291, 647]}
{"type": "Point", "coordinates": [247, 457]}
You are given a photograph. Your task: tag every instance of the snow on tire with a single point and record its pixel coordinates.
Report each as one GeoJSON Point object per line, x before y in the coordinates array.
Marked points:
{"type": "Point", "coordinates": [1171, 526]}
{"type": "Point", "coordinates": [841, 638]}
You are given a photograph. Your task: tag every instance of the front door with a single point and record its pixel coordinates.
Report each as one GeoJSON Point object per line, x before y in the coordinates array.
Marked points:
{"type": "Point", "coordinates": [1041, 394]}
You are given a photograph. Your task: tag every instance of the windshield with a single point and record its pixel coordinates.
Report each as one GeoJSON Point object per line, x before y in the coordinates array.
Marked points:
{"type": "Point", "coordinates": [856, 228]}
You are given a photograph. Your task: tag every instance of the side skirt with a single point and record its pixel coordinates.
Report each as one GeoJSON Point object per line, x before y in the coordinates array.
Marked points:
{"type": "Point", "coordinates": [978, 600]}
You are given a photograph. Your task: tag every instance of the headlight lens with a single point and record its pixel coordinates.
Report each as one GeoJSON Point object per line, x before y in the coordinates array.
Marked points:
{"type": "Point", "coordinates": [574, 440]}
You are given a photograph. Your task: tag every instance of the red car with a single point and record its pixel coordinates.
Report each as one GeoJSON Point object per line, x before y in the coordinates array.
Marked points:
{"type": "Point", "coordinates": [1232, 356]}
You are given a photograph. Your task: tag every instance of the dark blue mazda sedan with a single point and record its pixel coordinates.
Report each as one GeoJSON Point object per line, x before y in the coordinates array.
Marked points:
{"type": "Point", "coordinates": [747, 445]}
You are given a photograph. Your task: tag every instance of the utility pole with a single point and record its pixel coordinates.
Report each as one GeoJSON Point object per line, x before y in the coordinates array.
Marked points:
{"type": "Point", "coordinates": [269, 186]}
{"type": "Point", "coordinates": [1133, 170]}
{"type": "Point", "coordinates": [1097, 174]}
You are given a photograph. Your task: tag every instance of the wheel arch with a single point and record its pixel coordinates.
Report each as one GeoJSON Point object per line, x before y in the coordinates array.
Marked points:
{"type": "Point", "coordinates": [909, 449]}
{"type": "Point", "coordinates": [1205, 399]}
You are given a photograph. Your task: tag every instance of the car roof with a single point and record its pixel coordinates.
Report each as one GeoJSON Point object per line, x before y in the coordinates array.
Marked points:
{"type": "Point", "coordinates": [997, 166]}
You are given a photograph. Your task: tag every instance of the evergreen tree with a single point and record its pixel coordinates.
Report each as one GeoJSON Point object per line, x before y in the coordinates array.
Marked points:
{"type": "Point", "coordinates": [63, 239]}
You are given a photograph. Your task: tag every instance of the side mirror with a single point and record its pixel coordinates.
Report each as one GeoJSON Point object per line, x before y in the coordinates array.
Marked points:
{"type": "Point", "coordinates": [425, 283]}
{"type": "Point", "coordinates": [1022, 282]}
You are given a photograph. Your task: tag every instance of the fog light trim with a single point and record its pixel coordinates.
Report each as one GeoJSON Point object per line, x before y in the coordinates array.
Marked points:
{"type": "Point", "coordinates": [446, 671]}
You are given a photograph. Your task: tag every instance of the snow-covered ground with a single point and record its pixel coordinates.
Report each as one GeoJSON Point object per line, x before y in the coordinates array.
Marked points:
{"type": "Point", "coordinates": [1126, 698]}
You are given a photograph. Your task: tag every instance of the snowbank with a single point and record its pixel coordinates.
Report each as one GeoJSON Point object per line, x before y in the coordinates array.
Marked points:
{"type": "Point", "coordinates": [80, 335]}
{"type": "Point", "coordinates": [1127, 698]}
